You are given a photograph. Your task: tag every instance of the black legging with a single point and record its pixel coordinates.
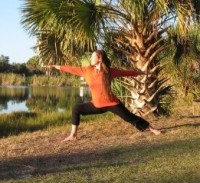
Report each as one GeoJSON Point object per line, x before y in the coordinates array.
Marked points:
{"type": "Point", "coordinates": [120, 110]}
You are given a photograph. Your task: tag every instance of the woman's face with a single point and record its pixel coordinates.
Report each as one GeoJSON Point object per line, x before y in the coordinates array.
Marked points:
{"type": "Point", "coordinates": [94, 59]}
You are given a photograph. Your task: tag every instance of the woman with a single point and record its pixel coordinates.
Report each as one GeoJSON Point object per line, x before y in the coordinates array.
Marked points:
{"type": "Point", "coordinates": [99, 76]}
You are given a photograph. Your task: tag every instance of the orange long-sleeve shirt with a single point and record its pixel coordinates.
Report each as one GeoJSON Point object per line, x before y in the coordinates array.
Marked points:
{"type": "Point", "coordinates": [95, 82]}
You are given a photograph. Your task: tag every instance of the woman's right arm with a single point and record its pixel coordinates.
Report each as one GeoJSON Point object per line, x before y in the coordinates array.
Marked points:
{"type": "Point", "coordinates": [51, 66]}
{"type": "Point", "coordinates": [56, 67]}
{"type": "Point", "coordinates": [66, 68]}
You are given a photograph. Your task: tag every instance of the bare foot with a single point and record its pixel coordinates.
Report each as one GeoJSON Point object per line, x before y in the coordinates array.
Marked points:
{"type": "Point", "coordinates": [155, 131]}
{"type": "Point", "coordinates": [70, 138]}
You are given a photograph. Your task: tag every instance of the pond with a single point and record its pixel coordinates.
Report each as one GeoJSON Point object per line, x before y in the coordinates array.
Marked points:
{"type": "Point", "coordinates": [43, 99]}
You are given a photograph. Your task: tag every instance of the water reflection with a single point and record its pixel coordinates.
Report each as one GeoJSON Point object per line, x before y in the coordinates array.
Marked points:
{"type": "Point", "coordinates": [45, 99]}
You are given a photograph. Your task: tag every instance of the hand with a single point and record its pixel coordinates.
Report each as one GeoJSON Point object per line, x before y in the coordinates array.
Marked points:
{"type": "Point", "coordinates": [51, 66]}
{"type": "Point", "coordinates": [47, 66]}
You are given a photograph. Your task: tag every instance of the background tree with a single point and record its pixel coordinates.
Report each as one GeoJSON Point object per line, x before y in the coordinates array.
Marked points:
{"type": "Point", "coordinates": [4, 59]}
{"type": "Point", "coordinates": [33, 66]}
{"type": "Point", "coordinates": [4, 63]}
{"type": "Point", "coordinates": [138, 31]}
{"type": "Point", "coordinates": [33, 62]}
{"type": "Point", "coordinates": [182, 67]}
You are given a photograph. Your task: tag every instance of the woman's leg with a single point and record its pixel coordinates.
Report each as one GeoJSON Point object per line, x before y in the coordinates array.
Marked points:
{"type": "Point", "coordinates": [153, 130]}
{"type": "Point", "coordinates": [77, 111]}
{"type": "Point", "coordinates": [73, 134]}
{"type": "Point", "coordinates": [140, 123]}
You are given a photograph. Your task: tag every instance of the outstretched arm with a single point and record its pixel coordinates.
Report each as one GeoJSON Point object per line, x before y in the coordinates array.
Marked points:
{"type": "Point", "coordinates": [65, 68]}
{"type": "Point", "coordinates": [122, 73]}
{"type": "Point", "coordinates": [52, 66]}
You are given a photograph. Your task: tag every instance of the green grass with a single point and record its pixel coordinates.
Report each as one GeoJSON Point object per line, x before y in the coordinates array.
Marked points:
{"type": "Point", "coordinates": [38, 80]}
{"type": "Point", "coordinates": [173, 157]}
{"type": "Point", "coordinates": [18, 122]}
{"type": "Point", "coordinates": [12, 79]}
{"type": "Point", "coordinates": [175, 162]}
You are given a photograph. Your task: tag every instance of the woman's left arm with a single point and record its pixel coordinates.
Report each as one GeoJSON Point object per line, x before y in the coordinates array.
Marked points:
{"type": "Point", "coordinates": [122, 73]}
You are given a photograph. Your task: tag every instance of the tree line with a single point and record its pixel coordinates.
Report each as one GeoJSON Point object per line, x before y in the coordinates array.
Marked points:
{"type": "Point", "coordinates": [26, 69]}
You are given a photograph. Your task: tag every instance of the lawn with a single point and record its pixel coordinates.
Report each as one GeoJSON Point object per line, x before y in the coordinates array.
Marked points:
{"type": "Point", "coordinates": [108, 150]}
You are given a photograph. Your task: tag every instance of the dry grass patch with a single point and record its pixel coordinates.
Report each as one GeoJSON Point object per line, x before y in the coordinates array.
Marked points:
{"type": "Point", "coordinates": [104, 145]}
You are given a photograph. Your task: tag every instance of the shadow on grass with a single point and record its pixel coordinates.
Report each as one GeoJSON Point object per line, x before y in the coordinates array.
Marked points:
{"type": "Point", "coordinates": [16, 122]}
{"type": "Point", "coordinates": [194, 125]}
{"type": "Point", "coordinates": [132, 157]}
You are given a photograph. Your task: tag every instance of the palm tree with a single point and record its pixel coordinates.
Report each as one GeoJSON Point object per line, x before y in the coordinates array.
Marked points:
{"type": "Point", "coordinates": [196, 5]}
{"type": "Point", "coordinates": [136, 30]}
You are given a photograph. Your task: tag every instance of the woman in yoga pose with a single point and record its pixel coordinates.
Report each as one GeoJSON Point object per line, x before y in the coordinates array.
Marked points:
{"type": "Point", "coordinates": [98, 77]}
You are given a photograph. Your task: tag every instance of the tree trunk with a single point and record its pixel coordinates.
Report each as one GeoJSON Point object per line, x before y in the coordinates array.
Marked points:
{"type": "Point", "coordinates": [146, 91]}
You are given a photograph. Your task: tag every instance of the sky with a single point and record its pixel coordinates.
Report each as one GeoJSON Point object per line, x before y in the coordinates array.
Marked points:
{"type": "Point", "coordinates": [15, 42]}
